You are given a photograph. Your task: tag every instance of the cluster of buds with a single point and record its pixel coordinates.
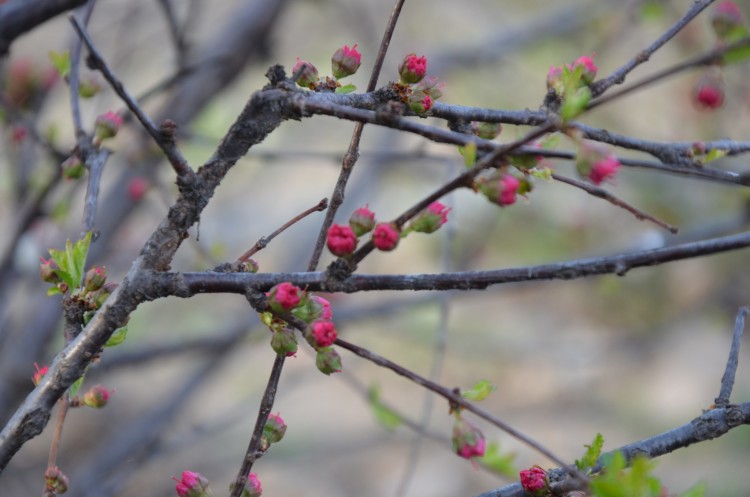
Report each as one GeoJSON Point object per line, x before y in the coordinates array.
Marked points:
{"type": "Point", "coordinates": [342, 240]}
{"type": "Point", "coordinates": [313, 310]}
{"type": "Point", "coordinates": [534, 481]}
{"type": "Point", "coordinates": [192, 484]}
{"type": "Point", "coordinates": [468, 442]}
{"type": "Point", "coordinates": [502, 188]}
{"type": "Point", "coordinates": [420, 90]}
{"type": "Point", "coordinates": [55, 481]}
{"type": "Point", "coordinates": [596, 163]}
{"type": "Point", "coordinates": [562, 79]}
{"type": "Point", "coordinates": [96, 397]}
{"type": "Point", "coordinates": [344, 62]}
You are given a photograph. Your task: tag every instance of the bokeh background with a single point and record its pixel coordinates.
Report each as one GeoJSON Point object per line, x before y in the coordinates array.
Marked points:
{"type": "Point", "coordinates": [626, 357]}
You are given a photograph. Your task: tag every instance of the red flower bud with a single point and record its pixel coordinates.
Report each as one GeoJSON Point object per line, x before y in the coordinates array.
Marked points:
{"type": "Point", "coordinates": [385, 237]}
{"type": "Point", "coordinates": [589, 68]}
{"type": "Point", "coordinates": [430, 219]}
{"type": "Point", "coordinates": [55, 480]}
{"type": "Point", "coordinates": [362, 221]}
{"type": "Point", "coordinates": [420, 102]}
{"type": "Point", "coordinates": [534, 480]}
{"type": "Point", "coordinates": [467, 440]}
{"type": "Point", "coordinates": [137, 188]}
{"type": "Point", "coordinates": [274, 428]}
{"type": "Point", "coordinates": [345, 61]}
{"type": "Point", "coordinates": [95, 278]}
{"type": "Point", "coordinates": [253, 487]}
{"type": "Point", "coordinates": [309, 75]}
{"type": "Point", "coordinates": [708, 93]}
{"type": "Point", "coordinates": [324, 311]}
{"type": "Point", "coordinates": [604, 169]}
{"type": "Point", "coordinates": [47, 270]}
{"type": "Point", "coordinates": [341, 240]}
{"type": "Point", "coordinates": [412, 69]}
{"type": "Point", "coordinates": [39, 373]}
{"type": "Point", "coordinates": [96, 397]}
{"type": "Point", "coordinates": [192, 484]}
{"type": "Point", "coordinates": [328, 361]}
{"type": "Point", "coordinates": [725, 19]}
{"type": "Point", "coordinates": [500, 189]}
{"type": "Point", "coordinates": [107, 125]}
{"type": "Point", "coordinates": [284, 297]}
{"type": "Point", "coordinates": [322, 334]}
{"type": "Point", "coordinates": [596, 163]}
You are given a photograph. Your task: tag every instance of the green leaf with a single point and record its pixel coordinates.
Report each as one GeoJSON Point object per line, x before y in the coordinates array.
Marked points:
{"type": "Point", "coordinates": [469, 153]}
{"type": "Point", "coordinates": [343, 90]}
{"type": "Point", "coordinates": [741, 53]}
{"type": "Point", "coordinates": [713, 154]}
{"type": "Point", "coordinates": [53, 291]}
{"type": "Point", "coordinates": [544, 173]}
{"type": "Point", "coordinates": [652, 11]}
{"type": "Point", "coordinates": [61, 62]}
{"type": "Point", "coordinates": [593, 452]}
{"type": "Point", "coordinates": [117, 337]}
{"type": "Point", "coordinates": [550, 141]}
{"type": "Point", "coordinates": [389, 419]}
{"type": "Point", "coordinates": [498, 462]}
{"type": "Point", "coordinates": [75, 387]}
{"type": "Point", "coordinates": [71, 261]}
{"type": "Point", "coordinates": [575, 103]}
{"type": "Point", "coordinates": [480, 391]}
{"type": "Point", "coordinates": [697, 491]}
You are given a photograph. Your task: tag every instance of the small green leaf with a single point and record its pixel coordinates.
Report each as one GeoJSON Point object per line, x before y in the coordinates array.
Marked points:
{"type": "Point", "coordinates": [469, 153]}
{"type": "Point", "coordinates": [75, 387]}
{"type": "Point", "coordinates": [117, 337]}
{"type": "Point", "coordinates": [524, 161]}
{"type": "Point", "coordinates": [575, 103]}
{"type": "Point", "coordinates": [498, 462]}
{"type": "Point", "coordinates": [544, 173]}
{"type": "Point", "coordinates": [53, 291]}
{"type": "Point", "coordinates": [738, 54]}
{"type": "Point", "coordinates": [389, 419]}
{"type": "Point", "coordinates": [343, 90]}
{"type": "Point", "coordinates": [593, 452]}
{"type": "Point", "coordinates": [480, 391]}
{"type": "Point", "coordinates": [713, 154]}
{"type": "Point", "coordinates": [61, 62]}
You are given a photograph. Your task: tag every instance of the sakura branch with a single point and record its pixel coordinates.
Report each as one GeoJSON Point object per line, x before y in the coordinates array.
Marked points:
{"type": "Point", "coordinates": [727, 380]}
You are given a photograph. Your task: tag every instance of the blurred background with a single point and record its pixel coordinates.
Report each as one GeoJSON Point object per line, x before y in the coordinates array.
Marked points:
{"type": "Point", "coordinates": [625, 357]}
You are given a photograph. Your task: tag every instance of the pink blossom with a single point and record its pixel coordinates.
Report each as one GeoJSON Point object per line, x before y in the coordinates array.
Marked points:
{"type": "Point", "coordinates": [323, 333]}
{"type": "Point", "coordinates": [709, 93]}
{"type": "Point", "coordinates": [412, 69]}
{"type": "Point", "coordinates": [96, 397]}
{"type": "Point", "coordinates": [137, 188]}
{"type": "Point", "coordinates": [345, 61]}
{"type": "Point", "coordinates": [589, 68]}
{"type": "Point", "coordinates": [107, 125]}
{"type": "Point", "coordinates": [534, 480]}
{"type": "Point", "coordinates": [430, 219]}
{"type": "Point", "coordinates": [362, 221]}
{"type": "Point", "coordinates": [284, 297]}
{"type": "Point", "coordinates": [507, 193]}
{"type": "Point", "coordinates": [192, 484]}
{"type": "Point", "coordinates": [274, 429]}
{"type": "Point", "coordinates": [325, 307]}
{"type": "Point", "coordinates": [253, 488]}
{"type": "Point", "coordinates": [467, 440]}
{"type": "Point", "coordinates": [604, 169]}
{"type": "Point", "coordinates": [385, 237]}
{"type": "Point", "coordinates": [341, 240]}
{"type": "Point", "coordinates": [309, 75]}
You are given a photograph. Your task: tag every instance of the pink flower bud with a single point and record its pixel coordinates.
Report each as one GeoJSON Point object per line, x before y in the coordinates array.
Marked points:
{"type": "Point", "coordinates": [431, 86]}
{"type": "Point", "coordinates": [341, 240]}
{"type": "Point", "coordinates": [274, 428]}
{"type": "Point", "coordinates": [253, 487]}
{"type": "Point", "coordinates": [362, 221]}
{"type": "Point", "coordinates": [725, 19]}
{"type": "Point", "coordinates": [412, 69]}
{"type": "Point", "coordinates": [309, 75]}
{"type": "Point", "coordinates": [284, 297]}
{"type": "Point", "coordinates": [95, 278]}
{"type": "Point", "coordinates": [107, 125]}
{"type": "Point", "coordinates": [534, 480]}
{"type": "Point", "coordinates": [100, 296]}
{"type": "Point", "coordinates": [137, 188]}
{"type": "Point", "coordinates": [596, 163]}
{"type": "Point", "coordinates": [96, 397]}
{"type": "Point", "coordinates": [589, 68]}
{"type": "Point", "coordinates": [345, 61]}
{"type": "Point", "coordinates": [284, 342]}
{"type": "Point", "coordinates": [47, 270]}
{"type": "Point", "coordinates": [555, 80]}
{"type": "Point", "coordinates": [324, 312]}
{"type": "Point", "coordinates": [192, 484]}
{"type": "Point", "coordinates": [708, 93]}
{"type": "Point", "coordinates": [430, 219]}
{"type": "Point", "coordinates": [385, 237]}
{"type": "Point", "coordinates": [488, 131]}
{"type": "Point", "coordinates": [39, 373]}
{"type": "Point", "coordinates": [249, 266]}
{"type": "Point", "coordinates": [500, 189]}
{"type": "Point", "coordinates": [467, 440]}
{"type": "Point", "coordinates": [420, 102]}
{"type": "Point", "coordinates": [88, 88]}
{"type": "Point", "coordinates": [55, 480]}
{"type": "Point", "coordinates": [73, 167]}
{"type": "Point", "coordinates": [322, 334]}
{"type": "Point", "coordinates": [328, 361]}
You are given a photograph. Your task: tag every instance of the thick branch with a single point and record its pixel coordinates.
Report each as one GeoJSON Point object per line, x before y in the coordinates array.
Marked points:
{"type": "Point", "coordinates": [20, 16]}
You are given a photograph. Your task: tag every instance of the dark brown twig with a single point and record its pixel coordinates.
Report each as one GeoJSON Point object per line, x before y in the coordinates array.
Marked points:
{"type": "Point", "coordinates": [727, 380]}
{"type": "Point", "coordinates": [166, 143]}
{"type": "Point", "coordinates": [604, 194]}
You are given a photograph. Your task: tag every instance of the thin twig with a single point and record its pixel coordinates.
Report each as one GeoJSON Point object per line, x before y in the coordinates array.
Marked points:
{"type": "Point", "coordinates": [618, 76]}
{"type": "Point", "coordinates": [177, 35]}
{"type": "Point", "coordinates": [604, 194]}
{"type": "Point", "coordinates": [265, 240]}
{"type": "Point", "coordinates": [352, 153]}
{"type": "Point", "coordinates": [165, 141]}
{"type": "Point", "coordinates": [95, 161]}
{"type": "Point", "coordinates": [266, 405]}
{"type": "Point", "coordinates": [727, 380]}
{"type": "Point", "coordinates": [451, 396]}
